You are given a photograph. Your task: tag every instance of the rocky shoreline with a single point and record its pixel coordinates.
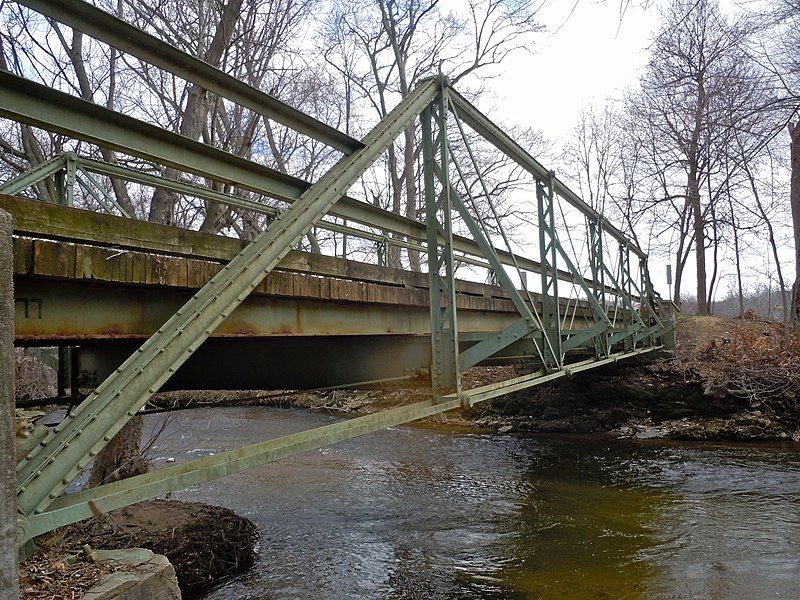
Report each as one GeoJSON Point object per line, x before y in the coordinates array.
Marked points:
{"type": "Point", "coordinates": [645, 398]}
{"type": "Point", "coordinates": [204, 543]}
{"type": "Point", "coordinates": [742, 427]}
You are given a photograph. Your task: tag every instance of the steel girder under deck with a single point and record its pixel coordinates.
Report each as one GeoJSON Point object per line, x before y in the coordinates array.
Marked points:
{"type": "Point", "coordinates": [46, 470]}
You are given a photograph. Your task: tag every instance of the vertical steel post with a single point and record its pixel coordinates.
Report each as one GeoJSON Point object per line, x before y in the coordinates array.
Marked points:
{"type": "Point", "coordinates": [551, 317]}
{"type": "Point", "coordinates": [65, 181]}
{"type": "Point", "coordinates": [595, 242]}
{"type": "Point", "coordinates": [626, 285]}
{"type": "Point", "coordinates": [445, 376]}
{"type": "Point", "coordinates": [649, 302]}
{"type": "Point", "coordinates": [64, 370]}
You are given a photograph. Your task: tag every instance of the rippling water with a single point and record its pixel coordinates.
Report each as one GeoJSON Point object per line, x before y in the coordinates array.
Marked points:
{"type": "Point", "coordinates": [418, 512]}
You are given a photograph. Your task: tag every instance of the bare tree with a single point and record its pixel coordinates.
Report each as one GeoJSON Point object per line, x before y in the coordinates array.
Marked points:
{"type": "Point", "coordinates": [382, 49]}
{"type": "Point", "coordinates": [695, 89]}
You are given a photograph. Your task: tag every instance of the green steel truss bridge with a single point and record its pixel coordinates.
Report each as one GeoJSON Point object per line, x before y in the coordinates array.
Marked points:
{"type": "Point", "coordinates": [136, 307]}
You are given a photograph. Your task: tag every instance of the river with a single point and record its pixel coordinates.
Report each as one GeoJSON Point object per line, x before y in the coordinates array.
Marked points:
{"type": "Point", "coordinates": [426, 512]}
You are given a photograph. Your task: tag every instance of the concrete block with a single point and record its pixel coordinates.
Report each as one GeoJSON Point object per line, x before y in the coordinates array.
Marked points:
{"type": "Point", "coordinates": [150, 577]}
{"type": "Point", "coordinates": [9, 569]}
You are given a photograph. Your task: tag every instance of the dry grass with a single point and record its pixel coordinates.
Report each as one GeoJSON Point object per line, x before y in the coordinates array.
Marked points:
{"type": "Point", "coordinates": [34, 378]}
{"type": "Point", "coordinates": [751, 359]}
{"type": "Point", "coordinates": [54, 576]}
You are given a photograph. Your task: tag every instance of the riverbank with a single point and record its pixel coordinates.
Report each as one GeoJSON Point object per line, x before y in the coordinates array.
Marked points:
{"type": "Point", "coordinates": [204, 543]}
{"type": "Point", "coordinates": [729, 379]}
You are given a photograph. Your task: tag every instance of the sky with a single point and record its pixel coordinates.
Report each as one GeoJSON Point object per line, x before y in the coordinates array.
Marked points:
{"type": "Point", "coordinates": [583, 58]}
{"type": "Point", "coordinates": [589, 57]}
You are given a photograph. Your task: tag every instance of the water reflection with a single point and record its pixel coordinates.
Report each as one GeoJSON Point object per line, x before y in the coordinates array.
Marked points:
{"type": "Point", "coordinates": [426, 513]}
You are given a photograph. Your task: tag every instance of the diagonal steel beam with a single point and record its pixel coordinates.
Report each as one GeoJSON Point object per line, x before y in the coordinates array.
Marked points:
{"type": "Point", "coordinates": [46, 471]}
{"type": "Point", "coordinates": [495, 342]}
{"type": "Point", "coordinates": [34, 175]}
{"type": "Point", "coordinates": [503, 142]}
{"type": "Point", "coordinates": [123, 36]}
{"type": "Point", "coordinates": [38, 105]}
{"type": "Point", "coordinates": [85, 504]}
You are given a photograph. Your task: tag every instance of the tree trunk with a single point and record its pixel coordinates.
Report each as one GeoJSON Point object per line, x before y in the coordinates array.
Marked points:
{"type": "Point", "coordinates": [737, 252]}
{"type": "Point", "coordinates": [699, 243]}
{"type": "Point", "coordinates": [162, 205]}
{"type": "Point", "coordinates": [794, 195]}
{"type": "Point", "coordinates": [79, 65]}
{"type": "Point", "coordinates": [121, 458]}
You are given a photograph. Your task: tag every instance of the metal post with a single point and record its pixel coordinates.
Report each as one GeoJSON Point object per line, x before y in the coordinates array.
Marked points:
{"type": "Point", "coordinates": [64, 370]}
{"type": "Point", "coordinates": [383, 251]}
{"type": "Point", "coordinates": [625, 286]}
{"type": "Point", "coordinates": [445, 376]}
{"type": "Point", "coordinates": [598, 277]}
{"type": "Point", "coordinates": [65, 180]}
{"type": "Point", "coordinates": [551, 317]}
{"type": "Point", "coordinates": [72, 167]}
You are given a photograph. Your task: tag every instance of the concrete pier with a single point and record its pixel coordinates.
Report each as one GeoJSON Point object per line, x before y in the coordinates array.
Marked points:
{"type": "Point", "coordinates": [9, 571]}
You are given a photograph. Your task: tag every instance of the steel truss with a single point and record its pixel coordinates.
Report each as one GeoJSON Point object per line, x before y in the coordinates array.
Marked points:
{"type": "Point", "coordinates": [630, 325]}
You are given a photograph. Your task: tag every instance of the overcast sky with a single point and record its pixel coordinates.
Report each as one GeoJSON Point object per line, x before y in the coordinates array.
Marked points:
{"type": "Point", "coordinates": [584, 57]}
{"type": "Point", "coordinates": [589, 57]}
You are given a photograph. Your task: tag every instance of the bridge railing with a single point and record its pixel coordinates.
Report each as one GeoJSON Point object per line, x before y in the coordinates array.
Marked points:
{"type": "Point", "coordinates": [627, 319]}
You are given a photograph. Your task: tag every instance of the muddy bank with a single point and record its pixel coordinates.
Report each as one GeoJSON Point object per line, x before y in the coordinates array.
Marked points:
{"type": "Point", "coordinates": [729, 379]}
{"type": "Point", "coordinates": [204, 543]}
{"type": "Point", "coordinates": [642, 398]}
{"type": "Point", "coordinates": [648, 398]}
